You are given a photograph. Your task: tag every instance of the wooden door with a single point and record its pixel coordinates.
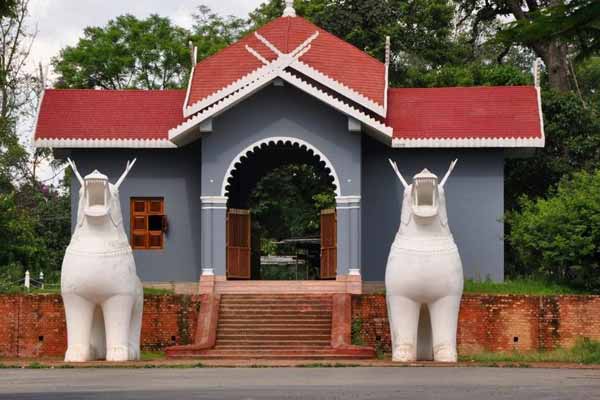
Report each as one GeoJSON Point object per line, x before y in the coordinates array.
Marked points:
{"type": "Point", "coordinates": [328, 244]}
{"type": "Point", "coordinates": [238, 244]}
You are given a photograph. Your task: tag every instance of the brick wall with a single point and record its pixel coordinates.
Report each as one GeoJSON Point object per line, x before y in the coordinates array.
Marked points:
{"type": "Point", "coordinates": [34, 326]}
{"type": "Point", "coordinates": [497, 323]}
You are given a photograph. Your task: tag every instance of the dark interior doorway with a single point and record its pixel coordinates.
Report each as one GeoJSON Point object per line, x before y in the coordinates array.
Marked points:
{"type": "Point", "coordinates": [280, 197]}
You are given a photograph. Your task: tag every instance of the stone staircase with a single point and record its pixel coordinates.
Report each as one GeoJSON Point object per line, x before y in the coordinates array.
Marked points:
{"type": "Point", "coordinates": [276, 326]}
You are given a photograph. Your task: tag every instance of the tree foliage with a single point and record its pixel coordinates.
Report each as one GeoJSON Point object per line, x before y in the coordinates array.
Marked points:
{"type": "Point", "coordinates": [559, 236]}
{"type": "Point", "coordinates": [127, 53]}
{"type": "Point", "coordinates": [286, 203]}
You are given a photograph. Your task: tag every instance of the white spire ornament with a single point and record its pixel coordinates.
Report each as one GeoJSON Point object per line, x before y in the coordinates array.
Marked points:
{"type": "Point", "coordinates": [289, 10]}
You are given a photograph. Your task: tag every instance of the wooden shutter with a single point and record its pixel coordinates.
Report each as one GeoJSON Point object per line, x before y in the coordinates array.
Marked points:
{"type": "Point", "coordinates": [328, 244]}
{"type": "Point", "coordinates": [139, 224]}
{"type": "Point", "coordinates": [147, 223]}
{"type": "Point", "coordinates": [238, 244]}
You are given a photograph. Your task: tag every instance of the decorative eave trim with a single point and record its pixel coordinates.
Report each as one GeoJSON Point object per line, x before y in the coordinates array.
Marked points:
{"type": "Point", "coordinates": [220, 106]}
{"type": "Point", "coordinates": [379, 127]}
{"type": "Point", "coordinates": [224, 92]}
{"type": "Point", "coordinates": [233, 99]}
{"type": "Point", "coordinates": [106, 143]}
{"type": "Point", "coordinates": [339, 87]}
{"type": "Point", "coordinates": [467, 142]}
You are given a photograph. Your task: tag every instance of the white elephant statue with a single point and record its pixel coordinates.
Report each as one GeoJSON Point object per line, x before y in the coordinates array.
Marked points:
{"type": "Point", "coordinates": [424, 273]}
{"type": "Point", "coordinates": [101, 291]}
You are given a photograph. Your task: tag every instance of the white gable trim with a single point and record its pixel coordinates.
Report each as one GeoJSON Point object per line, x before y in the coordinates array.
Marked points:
{"type": "Point", "coordinates": [292, 60]}
{"type": "Point", "coordinates": [226, 91]}
{"type": "Point", "coordinates": [338, 87]}
{"type": "Point", "coordinates": [347, 109]}
{"type": "Point", "coordinates": [467, 142]}
{"type": "Point", "coordinates": [285, 140]}
{"type": "Point", "coordinates": [106, 143]}
{"type": "Point", "coordinates": [177, 134]}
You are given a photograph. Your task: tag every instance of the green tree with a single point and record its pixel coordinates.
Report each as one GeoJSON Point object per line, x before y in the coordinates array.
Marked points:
{"type": "Point", "coordinates": [558, 237]}
{"type": "Point", "coordinates": [552, 29]}
{"type": "Point", "coordinates": [286, 202]}
{"type": "Point", "coordinates": [127, 53]}
{"type": "Point", "coordinates": [572, 144]}
{"type": "Point", "coordinates": [212, 32]}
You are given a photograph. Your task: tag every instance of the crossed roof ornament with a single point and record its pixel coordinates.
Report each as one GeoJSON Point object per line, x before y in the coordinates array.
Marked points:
{"type": "Point", "coordinates": [283, 60]}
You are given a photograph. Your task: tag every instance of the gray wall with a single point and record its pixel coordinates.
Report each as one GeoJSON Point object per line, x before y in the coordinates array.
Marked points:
{"type": "Point", "coordinates": [281, 111]}
{"type": "Point", "coordinates": [170, 173]}
{"type": "Point", "coordinates": [474, 195]}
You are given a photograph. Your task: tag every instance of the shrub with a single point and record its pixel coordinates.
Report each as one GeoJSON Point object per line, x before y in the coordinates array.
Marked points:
{"type": "Point", "coordinates": [558, 237]}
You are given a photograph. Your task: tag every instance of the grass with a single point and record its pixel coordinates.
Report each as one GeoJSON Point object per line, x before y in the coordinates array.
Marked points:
{"type": "Point", "coordinates": [518, 286]}
{"type": "Point", "coordinates": [152, 355]}
{"type": "Point", "coordinates": [585, 351]}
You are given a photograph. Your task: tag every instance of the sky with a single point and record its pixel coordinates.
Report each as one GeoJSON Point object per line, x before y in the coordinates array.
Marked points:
{"type": "Point", "coordinates": [60, 23]}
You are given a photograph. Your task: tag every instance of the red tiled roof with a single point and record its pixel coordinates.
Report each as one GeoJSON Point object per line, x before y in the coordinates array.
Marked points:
{"type": "Point", "coordinates": [464, 112]}
{"type": "Point", "coordinates": [328, 54]}
{"type": "Point", "coordinates": [109, 114]}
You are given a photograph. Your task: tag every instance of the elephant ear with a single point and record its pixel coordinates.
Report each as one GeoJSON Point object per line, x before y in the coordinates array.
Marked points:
{"type": "Point", "coordinates": [406, 208]}
{"type": "Point", "coordinates": [443, 213]}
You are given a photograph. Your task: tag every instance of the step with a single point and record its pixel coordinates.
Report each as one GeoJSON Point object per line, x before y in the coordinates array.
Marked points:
{"type": "Point", "coordinates": [274, 323]}
{"type": "Point", "coordinates": [284, 300]}
{"type": "Point", "coordinates": [273, 313]}
{"type": "Point", "coordinates": [281, 330]}
{"type": "Point", "coordinates": [273, 337]}
{"type": "Point", "coordinates": [280, 354]}
{"type": "Point", "coordinates": [316, 307]}
{"type": "Point", "coordinates": [275, 309]}
{"type": "Point", "coordinates": [262, 342]}
{"type": "Point", "coordinates": [300, 346]}
{"type": "Point", "coordinates": [270, 327]}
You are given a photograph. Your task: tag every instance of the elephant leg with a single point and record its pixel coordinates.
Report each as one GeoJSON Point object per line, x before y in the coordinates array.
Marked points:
{"type": "Point", "coordinates": [98, 337]}
{"type": "Point", "coordinates": [135, 328]}
{"type": "Point", "coordinates": [404, 321]}
{"type": "Point", "coordinates": [117, 319]}
{"type": "Point", "coordinates": [79, 314]}
{"type": "Point", "coordinates": [444, 320]}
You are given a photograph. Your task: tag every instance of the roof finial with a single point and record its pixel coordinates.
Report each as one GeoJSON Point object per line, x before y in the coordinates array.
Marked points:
{"type": "Point", "coordinates": [536, 72]}
{"type": "Point", "coordinates": [289, 9]}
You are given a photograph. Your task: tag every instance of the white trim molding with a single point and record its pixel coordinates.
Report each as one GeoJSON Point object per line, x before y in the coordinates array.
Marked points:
{"type": "Point", "coordinates": [354, 271]}
{"type": "Point", "coordinates": [214, 199]}
{"type": "Point", "coordinates": [275, 140]}
{"type": "Point", "coordinates": [347, 199]}
{"type": "Point", "coordinates": [467, 142]}
{"type": "Point", "coordinates": [106, 143]}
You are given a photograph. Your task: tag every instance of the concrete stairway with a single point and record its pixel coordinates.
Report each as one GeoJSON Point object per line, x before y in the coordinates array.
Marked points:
{"type": "Point", "coordinates": [276, 326]}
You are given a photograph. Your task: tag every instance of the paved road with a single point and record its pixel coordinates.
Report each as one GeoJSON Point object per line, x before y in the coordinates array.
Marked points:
{"type": "Point", "coordinates": [301, 383]}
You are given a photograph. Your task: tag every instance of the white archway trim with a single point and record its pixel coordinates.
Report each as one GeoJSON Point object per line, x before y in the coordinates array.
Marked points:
{"type": "Point", "coordinates": [285, 140]}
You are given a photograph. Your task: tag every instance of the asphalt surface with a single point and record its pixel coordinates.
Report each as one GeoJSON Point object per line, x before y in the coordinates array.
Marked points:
{"type": "Point", "coordinates": [300, 383]}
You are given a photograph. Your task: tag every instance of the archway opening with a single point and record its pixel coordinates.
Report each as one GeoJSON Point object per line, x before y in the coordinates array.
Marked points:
{"type": "Point", "coordinates": [281, 218]}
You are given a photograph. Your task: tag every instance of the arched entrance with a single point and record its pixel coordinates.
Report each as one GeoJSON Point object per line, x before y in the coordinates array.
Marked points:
{"type": "Point", "coordinates": [281, 220]}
